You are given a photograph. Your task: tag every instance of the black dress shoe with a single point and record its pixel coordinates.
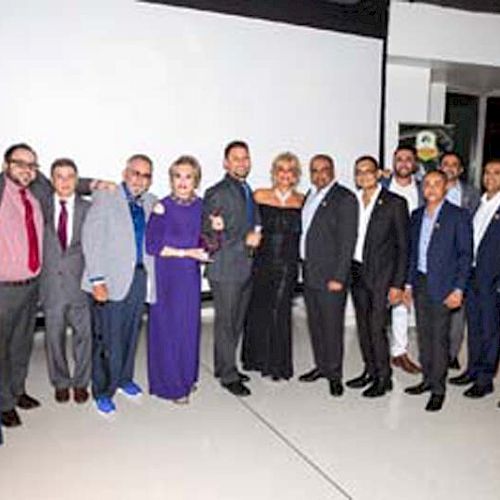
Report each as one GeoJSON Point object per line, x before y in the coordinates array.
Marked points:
{"type": "Point", "coordinates": [418, 389]}
{"type": "Point", "coordinates": [311, 376]}
{"type": "Point", "coordinates": [478, 391]}
{"type": "Point", "coordinates": [243, 377]}
{"type": "Point", "coordinates": [10, 418]}
{"type": "Point", "coordinates": [359, 382]}
{"type": "Point", "coordinates": [378, 388]}
{"type": "Point", "coordinates": [435, 402]}
{"type": "Point", "coordinates": [454, 364]}
{"type": "Point", "coordinates": [237, 388]}
{"type": "Point", "coordinates": [336, 388]}
{"type": "Point", "coordinates": [462, 379]}
{"type": "Point", "coordinates": [27, 402]}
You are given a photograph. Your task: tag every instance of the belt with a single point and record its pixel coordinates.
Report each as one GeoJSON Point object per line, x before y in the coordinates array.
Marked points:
{"type": "Point", "coordinates": [140, 266]}
{"type": "Point", "coordinates": [19, 283]}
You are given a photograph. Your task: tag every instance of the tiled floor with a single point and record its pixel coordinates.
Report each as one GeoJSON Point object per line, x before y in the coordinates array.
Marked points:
{"type": "Point", "coordinates": [286, 441]}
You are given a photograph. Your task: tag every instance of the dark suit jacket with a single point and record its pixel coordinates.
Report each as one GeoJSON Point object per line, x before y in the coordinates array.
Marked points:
{"type": "Point", "coordinates": [386, 183]}
{"type": "Point", "coordinates": [231, 261]}
{"type": "Point", "coordinates": [62, 271]}
{"type": "Point", "coordinates": [331, 239]}
{"type": "Point", "coordinates": [449, 255]}
{"type": "Point", "coordinates": [385, 253]}
{"type": "Point", "coordinates": [488, 257]}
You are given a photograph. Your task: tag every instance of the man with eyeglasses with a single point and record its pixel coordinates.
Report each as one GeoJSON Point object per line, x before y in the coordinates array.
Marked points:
{"type": "Point", "coordinates": [117, 275]}
{"type": "Point", "coordinates": [22, 198]}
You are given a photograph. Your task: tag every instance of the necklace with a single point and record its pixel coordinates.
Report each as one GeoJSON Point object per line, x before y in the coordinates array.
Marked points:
{"type": "Point", "coordinates": [282, 197]}
{"type": "Point", "coordinates": [183, 201]}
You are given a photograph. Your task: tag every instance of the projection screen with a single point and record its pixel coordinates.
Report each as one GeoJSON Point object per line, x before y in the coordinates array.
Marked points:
{"type": "Point", "coordinates": [99, 80]}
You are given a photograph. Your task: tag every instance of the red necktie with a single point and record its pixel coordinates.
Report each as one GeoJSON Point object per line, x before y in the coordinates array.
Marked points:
{"type": "Point", "coordinates": [62, 226]}
{"type": "Point", "coordinates": [29, 222]}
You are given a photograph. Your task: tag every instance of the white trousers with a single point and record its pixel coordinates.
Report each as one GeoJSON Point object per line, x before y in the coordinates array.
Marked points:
{"type": "Point", "coordinates": [399, 331]}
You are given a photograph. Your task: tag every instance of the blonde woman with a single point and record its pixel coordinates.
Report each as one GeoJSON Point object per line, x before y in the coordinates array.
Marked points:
{"type": "Point", "coordinates": [173, 237]}
{"type": "Point", "coordinates": [267, 345]}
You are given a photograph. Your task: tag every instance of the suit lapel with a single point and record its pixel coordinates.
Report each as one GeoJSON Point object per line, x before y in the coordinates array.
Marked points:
{"type": "Point", "coordinates": [379, 205]}
{"type": "Point", "coordinates": [494, 222]}
{"type": "Point", "coordinates": [77, 220]}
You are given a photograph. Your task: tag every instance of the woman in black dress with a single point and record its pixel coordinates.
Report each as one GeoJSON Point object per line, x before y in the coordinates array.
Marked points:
{"type": "Point", "coordinates": [267, 343]}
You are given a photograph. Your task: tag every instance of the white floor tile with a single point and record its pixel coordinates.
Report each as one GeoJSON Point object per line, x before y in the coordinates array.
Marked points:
{"type": "Point", "coordinates": [286, 441]}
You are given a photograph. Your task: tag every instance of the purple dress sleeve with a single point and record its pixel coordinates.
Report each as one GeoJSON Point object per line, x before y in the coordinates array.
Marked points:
{"type": "Point", "coordinates": [155, 234]}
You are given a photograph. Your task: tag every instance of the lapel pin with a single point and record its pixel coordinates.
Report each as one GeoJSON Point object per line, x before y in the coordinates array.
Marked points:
{"type": "Point", "coordinates": [380, 202]}
{"type": "Point", "coordinates": [436, 225]}
{"type": "Point", "coordinates": [323, 203]}
{"type": "Point", "coordinates": [497, 216]}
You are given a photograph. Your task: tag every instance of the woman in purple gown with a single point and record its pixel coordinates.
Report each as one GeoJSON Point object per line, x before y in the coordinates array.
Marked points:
{"type": "Point", "coordinates": [173, 237]}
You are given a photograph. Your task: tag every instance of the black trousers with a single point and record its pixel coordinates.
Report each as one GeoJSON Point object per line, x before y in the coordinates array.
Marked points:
{"type": "Point", "coordinates": [372, 314]}
{"type": "Point", "coordinates": [325, 319]}
{"type": "Point", "coordinates": [231, 299]}
{"type": "Point", "coordinates": [116, 328]}
{"type": "Point", "coordinates": [433, 335]}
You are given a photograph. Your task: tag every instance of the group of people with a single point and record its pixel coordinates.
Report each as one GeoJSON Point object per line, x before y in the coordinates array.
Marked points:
{"type": "Point", "coordinates": [92, 264]}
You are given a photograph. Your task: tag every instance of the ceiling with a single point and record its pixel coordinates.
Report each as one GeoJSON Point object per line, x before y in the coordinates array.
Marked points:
{"type": "Point", "coordinates": [492, 6]}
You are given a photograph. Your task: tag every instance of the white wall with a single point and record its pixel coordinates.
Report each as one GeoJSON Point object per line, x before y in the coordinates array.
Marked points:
{"type": "Point", "coordinates": [407, 94]}
{"type": "Point", "coordinates": [428, 32]}
{"type": "Point", "coordinates": [98, 80]}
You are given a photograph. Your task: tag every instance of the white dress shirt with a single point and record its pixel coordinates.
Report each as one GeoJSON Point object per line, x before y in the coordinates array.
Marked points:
{"type": "Point", "coordinates": [365, 213]}
{"type": "Point", "coordinates": [311, 204]}
{"type": "Point", "coordinates": [70, 208]}
{"type": "Point", "coordinates": [482, 218]}
{"type": "Point", "coordinates": [409, 193]}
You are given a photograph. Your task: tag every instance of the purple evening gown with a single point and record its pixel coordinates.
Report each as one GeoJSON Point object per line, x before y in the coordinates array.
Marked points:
{"type": "Point", "coordinates": [174, 320]}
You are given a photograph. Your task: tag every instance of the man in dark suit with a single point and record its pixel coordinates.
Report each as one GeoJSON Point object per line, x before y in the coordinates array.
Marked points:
{"type": "Point", "coordinates": [378, 272]}
{"type": "Point", "coordinates": [439, 270]}
{"type": "Point", "coordinates": [403, 182]}
{"type": "Point", "coordinates": [330, 222]}
{"type": "Point", "coordinates": [465, 195]}
{"type": "Point", "coordinates": [483, 299]}
{"type": "Point", "coordinates": [64, 302]}
{"type": "Point", "coordinates": [229, 274]}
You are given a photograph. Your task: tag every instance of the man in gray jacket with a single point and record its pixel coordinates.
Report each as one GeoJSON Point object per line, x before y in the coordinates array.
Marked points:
{"type": "Point", "coordinates": [118, 274]}
{"type": "Point", "coordinates": [64, 302]}
{"type": "Point", "coordinates": [230, 273]}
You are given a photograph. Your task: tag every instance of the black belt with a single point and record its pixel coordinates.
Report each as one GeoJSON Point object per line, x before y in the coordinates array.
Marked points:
{"type": "Point", "coordinates": [140, 266]}
{"type": "Point", "coordinates": [19, 283]}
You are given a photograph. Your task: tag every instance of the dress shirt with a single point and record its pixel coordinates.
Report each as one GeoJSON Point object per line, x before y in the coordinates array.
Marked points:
{"type": "Point", "coordinates": [454, 194]}
{"type": "Point", "coordinates": [139, 222]}
{"type": "Point", "coordinates": [409, 193]}
{"type": "Point", "coordinates": [365, 213]}
{"type": "Point", "coordinates": [428, 223]}
{"type": "Point", "coordinates": [483, 217]}
{"type": "Point", "coordinates": [14, 248]}
{"type": "Point", "coordinates": [70, 208]}
{"type": "Point", "coordinates": [311, 204]}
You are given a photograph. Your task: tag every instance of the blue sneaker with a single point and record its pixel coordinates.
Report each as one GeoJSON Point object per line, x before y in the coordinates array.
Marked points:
{"type": "Point", "coordinates": [131, 389]}
{"type": "Point", "coordinates": [105, 405]}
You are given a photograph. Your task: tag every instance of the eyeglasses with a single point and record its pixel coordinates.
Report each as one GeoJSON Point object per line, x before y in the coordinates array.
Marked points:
{"type": "Point", "coordinates": [24, 165]}
{"type": "Point", "coordinates": [139, 175]}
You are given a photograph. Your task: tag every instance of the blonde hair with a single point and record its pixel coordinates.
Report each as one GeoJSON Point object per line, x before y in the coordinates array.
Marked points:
{"type": "Point", "coordinates": [187, 160]}
{"type": "Point", "coordinates": [288, 158]}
